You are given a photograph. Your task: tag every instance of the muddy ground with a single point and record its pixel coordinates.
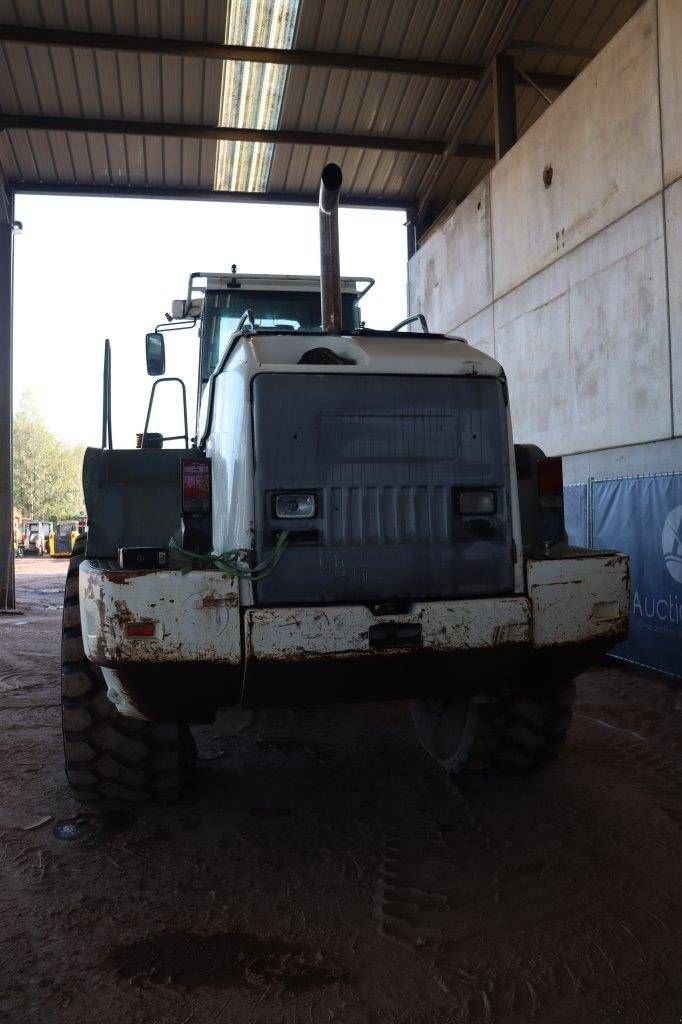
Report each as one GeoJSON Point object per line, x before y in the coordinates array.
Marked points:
{"type": "Point", "coordinates": [322, 869]}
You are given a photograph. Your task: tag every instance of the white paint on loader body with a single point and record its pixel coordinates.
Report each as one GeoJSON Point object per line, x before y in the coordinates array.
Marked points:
{"type": "Point", "coordinates": [578, 599]}
{"type": "Point", "coordinates": [308, 634]}
{"type": "Point", "coordinates": [196, 617]}
{"type": "Point", "coordinates": [200, 617]}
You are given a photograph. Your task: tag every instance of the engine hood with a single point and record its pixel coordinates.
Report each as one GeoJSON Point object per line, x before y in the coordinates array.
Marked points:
{"type": "Point", "coordinates": [361, 353]}
{"type": "Point", "coordinates": [367, 353]}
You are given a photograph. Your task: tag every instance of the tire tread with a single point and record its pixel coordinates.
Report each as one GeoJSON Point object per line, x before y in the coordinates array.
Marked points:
{"type": "Point", "coordinates": [110, 757]}
{"type": "Point", "coordinates": [516, 731]}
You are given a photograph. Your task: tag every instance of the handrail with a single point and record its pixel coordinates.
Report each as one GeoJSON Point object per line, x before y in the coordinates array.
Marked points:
{"type": "Point", "coordinates": [176, 437]}
{"type": "Point", "coordinates": [410, 320]}
{"type": "Point", "coordinates": [369, 282]}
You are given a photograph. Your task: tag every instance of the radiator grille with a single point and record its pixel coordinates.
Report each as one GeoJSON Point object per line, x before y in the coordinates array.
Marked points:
{"type": "Point", "coordinates": [389, 515]}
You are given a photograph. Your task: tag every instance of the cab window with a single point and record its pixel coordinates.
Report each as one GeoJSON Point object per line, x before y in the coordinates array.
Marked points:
{"type": "Point", "coordinates": [271, 311]}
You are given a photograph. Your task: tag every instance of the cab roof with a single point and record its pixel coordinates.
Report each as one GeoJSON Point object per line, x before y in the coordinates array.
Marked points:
{"type": "Point", "coordinates": [202, 281]}
{"type": "Point", "coordinates": [279, 282]}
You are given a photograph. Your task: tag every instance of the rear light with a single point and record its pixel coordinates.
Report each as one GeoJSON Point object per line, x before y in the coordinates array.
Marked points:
{"type": "Point", "coordinates": [550, 483]}
{"type": "Point", "coordinates": [196, 485]}
{"type": "Point", "coordinates": [197, 523]}
{"type": "Point", "coordinates": [294, 506]}
{"type": "Point", "coordinates": [475, 503]}
{"type": "Point", "coordinates": [140, 630]}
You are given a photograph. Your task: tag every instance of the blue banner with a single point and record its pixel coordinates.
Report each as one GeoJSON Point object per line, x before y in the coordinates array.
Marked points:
{"type": "Point", "coordinates": [575, 514]}
{"type": "Point", "coordinates": [643, 518]}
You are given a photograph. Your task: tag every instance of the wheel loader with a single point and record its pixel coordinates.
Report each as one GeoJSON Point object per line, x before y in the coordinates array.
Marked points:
{"type": "Point", "coordinates": [62, 539]}
{"type": "Point", "coordinates": [352, 521]}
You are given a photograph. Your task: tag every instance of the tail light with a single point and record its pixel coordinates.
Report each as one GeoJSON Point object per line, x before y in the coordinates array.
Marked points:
{"type": "Point", "coordinates": [197, 529]}
{"type": "Point", "coordinates": [196, 485]}
{"type": "Point", "coordinates": [141, 630]}
{"type": "Point", "coordinates": [550, 483]}
{"type": "Point", "coordinates": [475, 503]}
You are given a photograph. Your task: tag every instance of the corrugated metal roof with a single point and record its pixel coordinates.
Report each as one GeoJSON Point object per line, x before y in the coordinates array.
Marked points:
{"type": "Point", "coordinates": [59, 81]}
{"type": "Point", "coordinates": [419, 108]}
{"type": "Point", "coordinates": [76, 82]}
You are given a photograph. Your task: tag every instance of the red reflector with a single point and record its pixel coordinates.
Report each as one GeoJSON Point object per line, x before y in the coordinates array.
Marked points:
{"type": "Point", "coordinates": [196, 485]}
{"type": "Point", "coordinates": [550, 478]}
{"type": "Point", "coordinates": [140, 629]}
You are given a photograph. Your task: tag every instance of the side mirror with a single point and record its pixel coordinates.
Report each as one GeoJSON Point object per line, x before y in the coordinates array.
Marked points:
{"type": "Point", "coordinates": [155, 350]}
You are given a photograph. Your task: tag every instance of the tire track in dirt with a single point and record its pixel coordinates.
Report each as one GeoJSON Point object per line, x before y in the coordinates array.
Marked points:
{"type": "Point", "coordinates": [652, 773]}
{"type": "Point", "coordinates": [411, 892]}
{"type": "Point", "coordinates": [554, 899]}
{"type": "Point", "coordinates": [514, 926]}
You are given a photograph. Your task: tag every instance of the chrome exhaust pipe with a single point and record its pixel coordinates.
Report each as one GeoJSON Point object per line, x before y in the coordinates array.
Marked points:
{"type": "Point", "coordinates": [330, 272]}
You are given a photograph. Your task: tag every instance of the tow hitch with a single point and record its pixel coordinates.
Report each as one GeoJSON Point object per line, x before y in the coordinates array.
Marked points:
{"type": "Point", "coordinates": [395, 634]}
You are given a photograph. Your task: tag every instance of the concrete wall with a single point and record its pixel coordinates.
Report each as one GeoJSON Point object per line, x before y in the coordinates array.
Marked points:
{"type": "Point", "coordinates": [576, 286]}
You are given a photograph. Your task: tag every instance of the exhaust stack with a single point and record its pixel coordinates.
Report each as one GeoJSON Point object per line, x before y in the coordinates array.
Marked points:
{"type": "Point", "coordinates": [330, 273]}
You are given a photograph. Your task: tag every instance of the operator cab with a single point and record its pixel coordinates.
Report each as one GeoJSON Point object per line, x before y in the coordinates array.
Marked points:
{"type": "Point", "coordinates": [278, 304]}
{"type": "Point", "coordinates": [286, 305]}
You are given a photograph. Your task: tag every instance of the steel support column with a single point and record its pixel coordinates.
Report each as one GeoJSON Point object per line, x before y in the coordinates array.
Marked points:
{"type": "Point", "coordinates": [515, 11]}
{"type": "Point", "coordinates": [7, 600]}
{"type": "Point", "coordinates": [504, 100]}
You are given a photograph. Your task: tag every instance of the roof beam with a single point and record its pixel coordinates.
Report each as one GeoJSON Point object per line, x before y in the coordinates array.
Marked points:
{"type": "Point", "coordinates": [554, 49]}
{"type": "Point", "coordinates": [105, 126]}
{"type": "Point", "coordinates": [261, 54]}
{"type": "Point", "coordinates": [204, 195]}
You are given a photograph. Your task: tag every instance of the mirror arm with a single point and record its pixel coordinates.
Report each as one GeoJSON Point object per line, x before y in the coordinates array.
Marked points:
{"type": "Point", "coordinates": [176, 325]}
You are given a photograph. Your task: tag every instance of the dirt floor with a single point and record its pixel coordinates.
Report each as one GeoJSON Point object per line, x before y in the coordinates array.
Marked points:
{"type": "Point", "coordinates": [322, 869]}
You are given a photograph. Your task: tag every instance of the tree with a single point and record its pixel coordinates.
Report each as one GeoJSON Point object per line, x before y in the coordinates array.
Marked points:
{"type": "Point", "coordinates": [47, 472]}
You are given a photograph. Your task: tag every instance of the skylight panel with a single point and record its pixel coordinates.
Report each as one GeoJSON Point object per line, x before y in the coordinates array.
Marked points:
{"type": "Point", "coordinates": [251, 94]}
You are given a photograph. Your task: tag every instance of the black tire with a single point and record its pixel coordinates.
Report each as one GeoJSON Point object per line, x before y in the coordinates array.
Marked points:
{"type": "Point", "coordinates": [516, 731]}
{"type": "Point", "coordinates": [109, 756]}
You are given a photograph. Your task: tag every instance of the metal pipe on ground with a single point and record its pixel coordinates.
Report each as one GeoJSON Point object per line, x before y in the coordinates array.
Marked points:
{"type": "Point", "coordinates": [330, 270]}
